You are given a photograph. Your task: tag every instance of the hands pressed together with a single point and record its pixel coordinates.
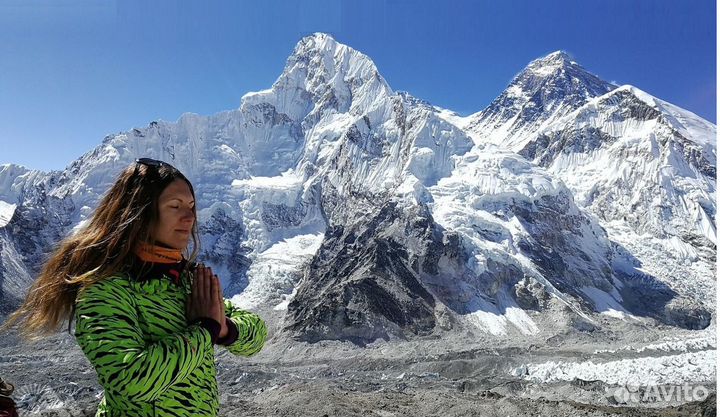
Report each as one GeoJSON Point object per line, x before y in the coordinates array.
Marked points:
{"type": "Point", "coordinates": [206, 299]}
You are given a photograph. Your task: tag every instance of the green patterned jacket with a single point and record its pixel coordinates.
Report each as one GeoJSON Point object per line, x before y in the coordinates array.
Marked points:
{"type": "Point", "coordinates": [149, 361]}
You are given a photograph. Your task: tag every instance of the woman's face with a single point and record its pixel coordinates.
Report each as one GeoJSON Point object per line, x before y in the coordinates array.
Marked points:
{"type": "Point", "coordinates": [176, 216]}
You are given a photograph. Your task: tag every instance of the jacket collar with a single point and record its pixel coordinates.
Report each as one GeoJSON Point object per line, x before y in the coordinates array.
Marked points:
{"type": "Point", "coordinates": [158, 253]}
{"type": "Point", "coordinates": [141, 270]}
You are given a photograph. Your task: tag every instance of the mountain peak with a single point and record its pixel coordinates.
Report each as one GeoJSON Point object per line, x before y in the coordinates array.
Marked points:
{"type": "Point", "coordinates": [548, 64]}
{"type": "Point", "coordinates": [318, 42]}
{"type": "Point", "coordinates": [557, 56]}
{"type": "Point", "coordinates": [322, 47]}
{"type": "Point", "coordinates": [323, 75]}
{"type": "Point", "coordinates": [547, 89]}
{"type": "Point", "coordinates": [320, 37]}
{"type": "Point", "coordinates": [321, 55]}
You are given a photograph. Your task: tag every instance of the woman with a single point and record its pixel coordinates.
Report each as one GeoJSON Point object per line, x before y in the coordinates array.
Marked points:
{"type": "Point", "coordinates": [146, 317]}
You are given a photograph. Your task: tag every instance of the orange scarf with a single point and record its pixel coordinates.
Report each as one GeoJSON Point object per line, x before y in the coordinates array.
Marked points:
{"type": "Point", "coordinates": [158, 254]}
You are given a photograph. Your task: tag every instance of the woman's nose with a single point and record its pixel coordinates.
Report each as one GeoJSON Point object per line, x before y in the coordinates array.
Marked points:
{"type": "Point", "coordinates": [187, 214]}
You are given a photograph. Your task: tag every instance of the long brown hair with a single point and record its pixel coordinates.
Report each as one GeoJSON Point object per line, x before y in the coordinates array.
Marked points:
{"type": "Point", "coordinates": [126, 216]}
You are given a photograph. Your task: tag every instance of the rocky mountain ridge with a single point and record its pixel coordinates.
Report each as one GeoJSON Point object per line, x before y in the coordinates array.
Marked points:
{"type": "Point", "coordinates": [399, 222]}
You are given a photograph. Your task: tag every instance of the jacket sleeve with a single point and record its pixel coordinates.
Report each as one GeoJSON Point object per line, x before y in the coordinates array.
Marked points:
{"type": "Point", "coordinates": [252, 331]}
{"type": "Point", "coordinates": [108, 332]}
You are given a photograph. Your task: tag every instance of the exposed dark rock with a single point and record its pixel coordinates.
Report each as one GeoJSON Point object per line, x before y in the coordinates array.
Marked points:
{"type": "Point", "coordinates": [546, 148]}
{"type": "Point", "coordinates": [531, 295]}
{"type": "Point", "coordinates": [281, 215]}
{"type": "Point", "coordinates": [643, 295]}
{"type": "Point", "coordinates": [359, 287]}
{"type": "Point", "coordinates": [629, 106]}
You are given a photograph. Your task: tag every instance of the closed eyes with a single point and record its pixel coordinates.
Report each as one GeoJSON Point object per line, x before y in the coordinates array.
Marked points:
{"type": "Point", "coordinates": [177, 207]}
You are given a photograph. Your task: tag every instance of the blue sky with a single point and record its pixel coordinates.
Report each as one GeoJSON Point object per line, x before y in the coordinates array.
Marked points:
{"type": "Point", "coordinates": [72, 72]}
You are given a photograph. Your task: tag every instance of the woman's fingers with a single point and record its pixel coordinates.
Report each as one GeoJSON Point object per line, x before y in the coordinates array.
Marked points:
{"type": "Point", "coordinates": [207, 298]}
{"type": "Point", "coordinates": [212, 298]}
{"type": "Point", "coordinates": [219, 293]}
{"type": "Point", "coordinates": [199, 292]}
{"type": "Point", "coordinates": [209, 287]}
{"type": "Point", "coordinates": [221, 305]}
{"type": "Point", "coordinates": [217, 298]}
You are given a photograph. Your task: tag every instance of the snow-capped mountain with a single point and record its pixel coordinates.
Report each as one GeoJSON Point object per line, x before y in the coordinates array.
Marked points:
{"type": "Point", "coordinates": [647, 170]}
{"type": "Point", "coordinates": [549, 88]}
{"type": "Point", "coordinates": [358, 213]}
{"type": "Point", "coordinates": [32, 220]}
{"type": "Point", "coordinates": [629, 155]}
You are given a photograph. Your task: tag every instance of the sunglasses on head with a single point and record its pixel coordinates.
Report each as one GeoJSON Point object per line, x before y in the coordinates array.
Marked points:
{"type": "Point", "coordinates": [151, 162]}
